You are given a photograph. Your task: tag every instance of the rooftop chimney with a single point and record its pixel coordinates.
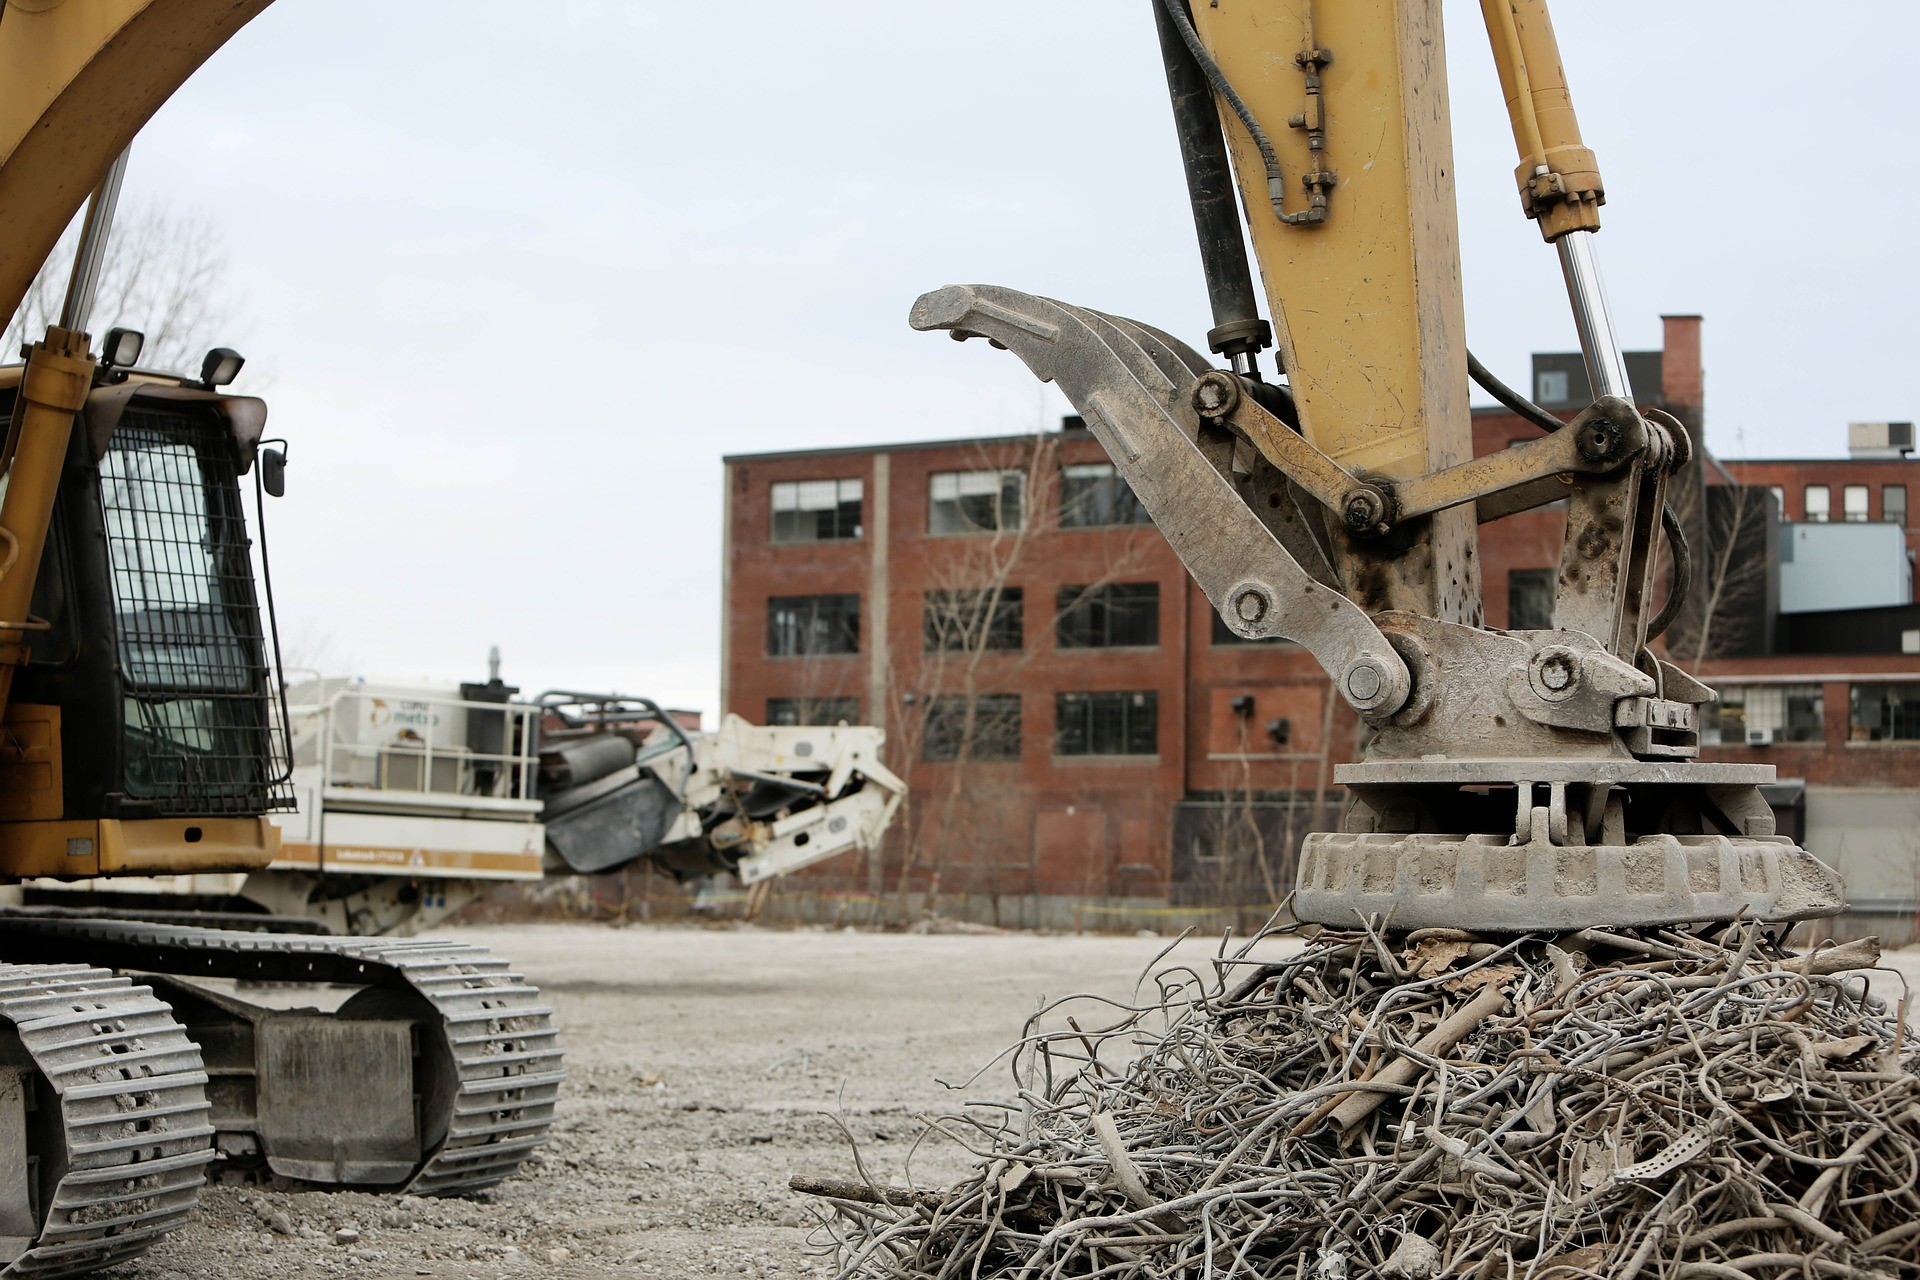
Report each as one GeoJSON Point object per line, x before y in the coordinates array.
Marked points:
{"type": "Point", "coordinates": [1682, 378]}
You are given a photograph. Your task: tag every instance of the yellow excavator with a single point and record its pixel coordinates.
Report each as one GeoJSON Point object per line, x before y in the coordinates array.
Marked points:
{"type": "Point", "coordinates": [1512, 780]}
{"type": "Point", "coordinates": [141, 733]}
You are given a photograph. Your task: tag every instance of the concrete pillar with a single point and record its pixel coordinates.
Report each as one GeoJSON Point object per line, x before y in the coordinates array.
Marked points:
{"type": "Point", "coordinates": [878, 504]}
{"type": "Point", "coordinates": [726, 594]}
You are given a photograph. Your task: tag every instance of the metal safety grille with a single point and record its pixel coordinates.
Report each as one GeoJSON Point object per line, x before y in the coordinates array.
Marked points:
{"type": "Point", "coordinates": [204, 733]}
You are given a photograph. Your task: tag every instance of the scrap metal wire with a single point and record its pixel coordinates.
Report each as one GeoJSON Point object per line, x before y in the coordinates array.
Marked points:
{"type": "Point", "coordinates": [1651, 1105]}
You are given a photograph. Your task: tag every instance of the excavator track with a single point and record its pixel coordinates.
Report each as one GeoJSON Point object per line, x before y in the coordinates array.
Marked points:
{"type": "Point", "coordinates": [497, 1036]}
{"type": "Point", "coordinates": [130, 1093]}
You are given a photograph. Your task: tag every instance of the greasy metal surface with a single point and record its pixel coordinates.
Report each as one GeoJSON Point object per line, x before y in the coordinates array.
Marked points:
{"type": "Point", "coordinates": [482, 1116]}
{"type": "Point", "coordinates": [335, 1098]}
{"type": "Point", "coordinates": [1485, 883]}
{"type": "Point", "coordinates": [1564, 451]}
{"type": "Point", "coordinates": [1482, 694]}
{"type": "Point", "coordinates": [131, 1099]}
{"type": "Point", "coordinates": [1611, 524]}
{"type": "Point", "coordinates": [1326, 480]}
{"type": "Point", "coordinates": [1366, 306]}
{"type": "Point", "coordinates": [1134, 387]}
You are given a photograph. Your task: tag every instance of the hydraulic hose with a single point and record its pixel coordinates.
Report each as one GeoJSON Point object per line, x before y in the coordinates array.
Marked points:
{"type": "Point", "coordinates": [1510, 398]}
{"type": "Point", "coordinates": [1176, 11]}
{"type": "Point", "coordinates": [1669, 522]}
{"type": "Point", "coordinates": [1238, 329]}
{"type": "Point", "coordinates": [1682, 573]}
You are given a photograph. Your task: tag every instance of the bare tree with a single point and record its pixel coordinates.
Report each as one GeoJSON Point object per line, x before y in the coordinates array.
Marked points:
{"type": "Point", "coordinates": [311, 649]}
{"type": "Point", "coordinates": [165, 274]}
{"type": "Point", "coordinates": [953, 702]}
{"type": "Point", "coordinates": [1730, 571]}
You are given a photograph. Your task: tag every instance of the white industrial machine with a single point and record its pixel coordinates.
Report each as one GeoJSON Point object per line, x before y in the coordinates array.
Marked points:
{"type": "Point", "coordinates": [415, 798]}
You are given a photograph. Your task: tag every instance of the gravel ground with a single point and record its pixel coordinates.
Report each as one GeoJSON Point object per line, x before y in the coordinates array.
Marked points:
{"type": "Point", "coordinates": [704, 1067]}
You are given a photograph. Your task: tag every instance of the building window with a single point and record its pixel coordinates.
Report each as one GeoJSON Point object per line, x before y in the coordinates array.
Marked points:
{"type": "Point", "coordinates": [1763, 713]}
{"type": "Point", "coordinates": [1116, 615]}
{"type": "Point", "coordinates": [1893, 504]}
{"type": "Point", "coordinates": [1094, 494]}
{"type": "Point", "coordinates": [1819, 503]}
{"type": "Point", "coordinates": [1224, 634]}
{"type": "Point", "coordinates": [812, 624]}
{"type": "Point", "coordinates": [968, 621]}
{"type": "Point", "coordinates": [1550, 386]}
{"type": "Point", "coordinates": [1106, 724]}
{"type": "Point", "coordinates": [1853, 504]}
{"type": "Point", "coordinates": [1886, 713]}
{"type": "Point", "coordinates": [1779, 500]}
{"type": "Point", "coordinates": [816, 510]}
{"type": "Point", "coordinates": [793, 711]}
{"type": "Point", "coordinates": [994, 734]}
{"type": "Point", "coordinates": [1530, 599]}
{"type": "Point", "coordinates": [975, 501]}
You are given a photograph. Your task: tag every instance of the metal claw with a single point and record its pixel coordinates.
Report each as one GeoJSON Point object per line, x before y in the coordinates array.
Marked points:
{"type": "Point", "coordinates": [1133, 385]}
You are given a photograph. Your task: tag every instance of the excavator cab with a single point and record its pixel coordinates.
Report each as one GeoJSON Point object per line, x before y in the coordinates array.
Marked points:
{"type": "Point", "coordinates": [144, 732]}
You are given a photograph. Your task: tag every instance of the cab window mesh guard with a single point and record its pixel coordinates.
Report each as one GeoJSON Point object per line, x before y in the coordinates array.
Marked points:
{"type": "Point", "coordinates": [204, 734]}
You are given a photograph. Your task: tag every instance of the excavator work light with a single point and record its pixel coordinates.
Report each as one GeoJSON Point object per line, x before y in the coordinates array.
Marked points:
{"type": "Point", "coordinates": [221, 366]}
{"type": "Point", "coordinates": [121, 349]}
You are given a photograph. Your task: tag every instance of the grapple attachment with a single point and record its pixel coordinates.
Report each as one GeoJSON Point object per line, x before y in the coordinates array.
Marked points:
{"type": "Point", "coordinates": [1514, 780]}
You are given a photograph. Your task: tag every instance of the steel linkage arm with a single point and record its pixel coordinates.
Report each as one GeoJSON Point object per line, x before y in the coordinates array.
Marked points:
{"type": "Point", "coordinates": [1134, 386]}
{"type": "Point", "coordinates": [1602, 440]}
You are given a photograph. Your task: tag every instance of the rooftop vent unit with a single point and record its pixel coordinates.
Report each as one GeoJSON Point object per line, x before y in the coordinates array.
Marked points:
{"type": "Point", "coordinates": [1879, 439]}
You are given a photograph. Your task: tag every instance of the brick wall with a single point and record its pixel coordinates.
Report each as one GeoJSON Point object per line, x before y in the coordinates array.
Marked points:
{"type": "Point", "coordinates": [1046, 823]}
{"type": "Point", "coordinates": [1248, 724]}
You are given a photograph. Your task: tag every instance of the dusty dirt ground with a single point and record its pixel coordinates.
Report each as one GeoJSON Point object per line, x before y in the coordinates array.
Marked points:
{"type": "Point", "coordinates": [702, 1065]}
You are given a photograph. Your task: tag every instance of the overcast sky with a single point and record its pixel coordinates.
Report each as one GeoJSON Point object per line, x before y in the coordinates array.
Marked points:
{"type": "Point", "coordinates": [514, 277]}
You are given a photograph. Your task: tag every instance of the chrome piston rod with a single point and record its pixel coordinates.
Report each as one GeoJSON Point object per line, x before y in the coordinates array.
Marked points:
{"type": "Point", "coordinates": [1606, 367]}
{"type": "Point", "coordinates": [90, 258]}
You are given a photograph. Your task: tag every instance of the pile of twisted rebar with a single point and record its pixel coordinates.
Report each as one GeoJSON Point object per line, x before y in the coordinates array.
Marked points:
{"type": "Point", "coordinates": [1679, 1105]}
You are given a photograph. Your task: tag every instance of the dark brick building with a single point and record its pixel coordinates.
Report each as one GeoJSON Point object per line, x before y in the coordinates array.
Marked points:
{"type": "Point", "coordinates": [1086, 743]}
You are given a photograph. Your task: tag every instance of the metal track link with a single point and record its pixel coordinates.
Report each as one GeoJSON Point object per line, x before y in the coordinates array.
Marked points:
{"type": "Point", "coordinates": [132, 1100]}
{"type": "Point", "coordinates": [497, 1033]}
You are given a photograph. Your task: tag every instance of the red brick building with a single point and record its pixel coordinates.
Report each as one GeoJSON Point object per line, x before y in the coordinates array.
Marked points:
{"type": "Point", "coordinates": [1084, 741]}
{"type": "Point", "coordinates": [1111, 695]}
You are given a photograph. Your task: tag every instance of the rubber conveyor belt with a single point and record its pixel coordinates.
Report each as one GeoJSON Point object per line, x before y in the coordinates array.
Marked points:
{"type": "Point", "coordinates": [497, 1034]}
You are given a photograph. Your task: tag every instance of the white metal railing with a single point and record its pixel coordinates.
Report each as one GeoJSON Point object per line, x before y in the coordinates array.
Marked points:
{"type": "Point", "coordinates": [414, 765]}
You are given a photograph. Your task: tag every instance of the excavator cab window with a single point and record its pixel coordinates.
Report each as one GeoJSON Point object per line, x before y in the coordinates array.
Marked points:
{"type": "Point", "coordinates": [198, 730]}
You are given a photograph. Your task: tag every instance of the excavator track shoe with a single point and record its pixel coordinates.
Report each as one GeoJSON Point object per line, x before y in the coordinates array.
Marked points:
{"type": "Point", "coordinates": [490, 1062]}
{"type": "Point", "coordinates": [123, 1126]}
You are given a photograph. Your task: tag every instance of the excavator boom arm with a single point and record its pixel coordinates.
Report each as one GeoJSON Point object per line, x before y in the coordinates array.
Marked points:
{"type": "Point", "coordinates": [78, 79]}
